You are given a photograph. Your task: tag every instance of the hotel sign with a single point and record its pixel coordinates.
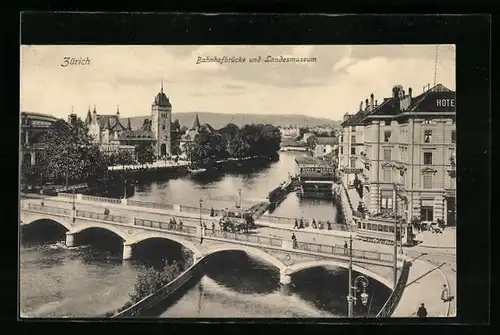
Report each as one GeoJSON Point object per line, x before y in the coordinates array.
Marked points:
{"type": "Point", "coordinates": [352, 170]}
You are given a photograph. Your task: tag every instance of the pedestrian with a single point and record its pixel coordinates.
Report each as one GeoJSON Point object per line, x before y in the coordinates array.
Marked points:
{"type": "Point", "coordinates": [294, 241]}
{"type": "Point", "coordinates": [296, 225]}
{"type": "Point", "coordinates": [329, 225]}
{"type": "Point", "coordinates": [313, 224]}
{"type": "Point", "coordinates": [445, 295]}
{"type": "Point", "coordinates": [301, 224]}
{"type": "Point", "coordinates": [213, 226]}
{"type": "Point", "coordinates": [422, 311]}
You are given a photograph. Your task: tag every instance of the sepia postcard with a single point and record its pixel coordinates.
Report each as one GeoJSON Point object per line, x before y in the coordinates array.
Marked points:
{"type": "Point", "coordinates": [237, 181]}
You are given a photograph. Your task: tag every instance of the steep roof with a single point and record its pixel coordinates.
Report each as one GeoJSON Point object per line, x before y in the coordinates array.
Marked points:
{"type": "Point", "coordinates": [196, 123]}
{"type": "Point", "coordinates": [111, 121]}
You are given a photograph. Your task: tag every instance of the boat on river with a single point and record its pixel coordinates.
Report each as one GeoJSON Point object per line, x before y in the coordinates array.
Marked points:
{"type": "Point", "coordinates": [195, 171]}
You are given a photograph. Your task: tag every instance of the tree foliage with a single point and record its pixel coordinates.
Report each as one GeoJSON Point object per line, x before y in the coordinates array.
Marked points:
{"type": "Point", "coordinates": [150, 280]}
{"type": "Point", "coordinates": [122, 157]}
{"type": "Point", "coordinates": [233, 142]}
{"type": "Point", "coordinates": [145, 153]}
{"type": "Point", "coordinates": [311, 142]}
{"type": "Point", "coordinates": [70, 153]}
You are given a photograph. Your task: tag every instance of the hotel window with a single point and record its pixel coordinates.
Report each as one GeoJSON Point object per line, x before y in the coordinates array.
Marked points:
{"type": "Point", "coordinates": [427, 158]}
{"type": "Point", "coordinates": [353, 162]}
{"type": "Point", "coordinates": [427, 213]}
{"type": "Point", "coordinates": [387, 136]}
{"type": "Point", "coordinates": [341, 150]}
{"type": "Point", "coordinates": [427, 136]}
{"type": "Point", "coordinates": [353, 139]}
{"type": "Point", "coordinates": [163, 127]}
{"type": "Point", "coordinates": [387, 122]}
{"type": "Point", "coordinates": [387, 154]}
{"type": "Point", "coordinates": [387, 175]}
{"type": "Point", "coordinates": [353, 151]}
{"type": "Point", "coordinates": [386, 200]}
{"type": "Point", "coordinates": [353, 128]}
{"type": "Point", "coordinates": [453, 136]}
{"type": "Point", "coordinates": [427, 179]}
{"type": "Point", "coordinates": [341, 139]}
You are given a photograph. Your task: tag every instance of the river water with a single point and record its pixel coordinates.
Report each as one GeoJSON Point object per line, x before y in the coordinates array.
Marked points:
{"type": "Point", "coordinates": [56, 281]}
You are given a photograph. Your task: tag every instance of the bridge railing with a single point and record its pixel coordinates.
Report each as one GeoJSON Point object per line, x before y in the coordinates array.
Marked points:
{"type": "Point", "coordinates": [263, 240]}
{"type": "Point", "coordinates": [101, 199]}
{"type": "Point", "coordinates": [102, 217]}
{"type": "Point", "coordinates": [147, 204]}
{"type": "Point", "coordinates": [341, 251]}
{"type": "Point", "coordinates": [307, 222]}
{"type": "Point", "coordinates": [49, 209]}
{"type": "Point", "coordinates": [391, 303]}
{"type": "Point", "coordinates": [165, 226]}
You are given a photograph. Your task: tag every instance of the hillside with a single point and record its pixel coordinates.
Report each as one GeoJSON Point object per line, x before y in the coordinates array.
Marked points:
{"type": "Point", "coordinates": [220, 120]}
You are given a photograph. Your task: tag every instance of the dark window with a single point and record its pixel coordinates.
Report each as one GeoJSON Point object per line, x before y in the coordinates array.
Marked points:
{"type": "Point", "coordinates": [353, 128]}
{"type": "Point", "coordinates": [453, 136]}
{"type": "Point", "coordinates": [387, 175]}
{"type": "Point", "coordinates": [353, 139]}
{"type": "Point", "coordinates": [163, 127]}
{"type": "Point", "coordinates": [428, 136]}
{"type": "Point", "coordinates": [341, 150]}
{"type": "Point", "coordinates": [341, 139]}
{"type": "Point", "coordinates": [427, 213]}
{"type": "Point", "coordinates": [387, 122]}
{"type": "Point", "coordinates": [353, 162]}
{"type": "Point", "coordinates": [353, 151]}
{"type": "Point", "coordinates": [387, 136]}
{"type": "Point", "coordinates": [427, 158]}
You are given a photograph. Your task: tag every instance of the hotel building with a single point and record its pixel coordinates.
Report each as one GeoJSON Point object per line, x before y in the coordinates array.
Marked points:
{"type": "Point", "coordinates": [406, 140]}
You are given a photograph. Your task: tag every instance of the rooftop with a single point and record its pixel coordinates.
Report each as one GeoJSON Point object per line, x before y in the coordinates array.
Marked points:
{"type": "Point", "coordinates": [327, 140]}
{"type": "Point", "coordinates": [307, 160]}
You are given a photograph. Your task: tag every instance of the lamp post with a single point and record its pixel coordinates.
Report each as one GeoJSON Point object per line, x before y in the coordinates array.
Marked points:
{"type": "Point", "coordinates": [201, 207]}
{"type": "Point", "coordinates": [395, 269]}
{"type": "Point", "coordinates": [350, 298]}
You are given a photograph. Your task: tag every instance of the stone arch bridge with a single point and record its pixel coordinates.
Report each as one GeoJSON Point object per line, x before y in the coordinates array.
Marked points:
{"type": "Point", "coordinates": [205, 242]}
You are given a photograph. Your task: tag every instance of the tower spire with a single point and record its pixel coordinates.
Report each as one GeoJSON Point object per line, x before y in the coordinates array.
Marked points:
{"type": "Point", "coordinates": [161, 84]}
{"type": "Point", "coordinates": [436, 64]}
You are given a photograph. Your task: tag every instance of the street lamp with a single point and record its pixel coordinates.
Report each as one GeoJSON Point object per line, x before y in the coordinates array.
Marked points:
{"type": "Point", "coordinates": [350, 298]}
{"type": "Point", "coordinates": [359, 280]}
{"type": "Point", "coordinates": [201, 208]}
{"type": "Point", "coordinates": [74, 205]}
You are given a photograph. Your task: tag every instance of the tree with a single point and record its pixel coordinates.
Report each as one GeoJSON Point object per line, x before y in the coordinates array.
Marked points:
{"type": "Point", "coordinates": [122, 157]}
{"type": "Point", "coordinates": [207, 148]}
{"type": "Point", "coordinates": [145, 153]}
{"type": "Point", "coordinates": [237, 147]}
{"type": "Point", "coordinates": [70, 153]}
{"type": "Point", "coordinates": [311, 142]}
{"type": "Point", "coordinates": [302, 131]}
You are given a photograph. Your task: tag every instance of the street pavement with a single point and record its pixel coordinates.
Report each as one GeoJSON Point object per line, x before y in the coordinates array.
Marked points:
{"type": "Point", "coordinates": [424, 285]}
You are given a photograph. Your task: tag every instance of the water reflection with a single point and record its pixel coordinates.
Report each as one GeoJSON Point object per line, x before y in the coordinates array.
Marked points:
{"type": "Point", "coordinates": [239, 273]}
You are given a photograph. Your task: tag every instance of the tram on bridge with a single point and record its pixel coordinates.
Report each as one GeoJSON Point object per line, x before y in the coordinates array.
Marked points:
{"type": "Point", "coordinates": [315, 177]}
{"type": "Point", "coordinates": [381, 230]}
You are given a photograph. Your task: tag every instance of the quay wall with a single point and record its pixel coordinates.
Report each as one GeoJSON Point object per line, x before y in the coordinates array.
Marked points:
{"type": "Point", "coordinates": [158, 301]}
{"type": "Point", "coordinates": [393, 300]}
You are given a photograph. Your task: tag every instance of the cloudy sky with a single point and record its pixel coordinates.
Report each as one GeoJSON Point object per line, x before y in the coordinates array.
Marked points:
{"type": "Point", "coordinates": [130, 76]}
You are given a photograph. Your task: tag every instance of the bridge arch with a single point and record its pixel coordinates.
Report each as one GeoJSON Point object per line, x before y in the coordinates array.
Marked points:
{"type": "Point", "coordinates": [81, 227]}
{"type": "Point", "coordinates": [27, 220]}
{"type": "Point", "coordinates": [143, 236]}
{"type": "Point", "coordinates": [250, 251]}
{"type": "Point", "coordinates": [308, 265]}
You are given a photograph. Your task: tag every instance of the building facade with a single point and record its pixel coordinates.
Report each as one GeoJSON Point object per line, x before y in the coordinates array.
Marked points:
{"type": "Point", "coordinates": [112, 132]}
{"type": "Point", "coordinates": [408, 143]}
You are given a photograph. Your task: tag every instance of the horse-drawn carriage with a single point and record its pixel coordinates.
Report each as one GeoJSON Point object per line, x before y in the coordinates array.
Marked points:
{"type": "Point", "coordinates": [236, 220]}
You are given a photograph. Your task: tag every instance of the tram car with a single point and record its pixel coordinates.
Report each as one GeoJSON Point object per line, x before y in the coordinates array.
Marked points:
{"type": "Point", "coordinates": [378, 230]}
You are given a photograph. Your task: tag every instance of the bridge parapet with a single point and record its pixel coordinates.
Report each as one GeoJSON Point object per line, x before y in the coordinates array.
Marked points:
{"type": "Point", "coordinates": [102, 217]}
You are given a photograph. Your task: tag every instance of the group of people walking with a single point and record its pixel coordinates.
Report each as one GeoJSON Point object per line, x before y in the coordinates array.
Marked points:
{"type": "Point", "coordinates": [299, 224]}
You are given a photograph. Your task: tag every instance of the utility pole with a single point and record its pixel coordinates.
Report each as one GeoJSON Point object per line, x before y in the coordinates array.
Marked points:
{"type": "Point", "coordinates": [395, 236]}
{"type": "Point", "coordinates": [350, 298]}
{"type": "Point", "coordinates": [74, 205]}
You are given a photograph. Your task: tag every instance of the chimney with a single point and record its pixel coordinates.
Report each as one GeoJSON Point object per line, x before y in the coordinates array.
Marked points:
{"type": "Point", "coordinates": [118, 111]}
{"type": "Point", "coordinates": [367, 104]}
{"type": "Point", "coordinates": [361, 106]}
{"type": "Point", "coordinates": [409, 93]}
{"type": "Point", "coordinates": [372, 105]}
{"type": "Point", "coordinates": [376, 103]}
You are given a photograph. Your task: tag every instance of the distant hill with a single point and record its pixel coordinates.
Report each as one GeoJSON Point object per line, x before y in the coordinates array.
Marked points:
{"type": "Point", "coordinates": [218, 121]}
